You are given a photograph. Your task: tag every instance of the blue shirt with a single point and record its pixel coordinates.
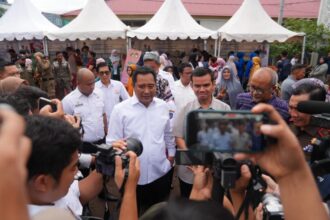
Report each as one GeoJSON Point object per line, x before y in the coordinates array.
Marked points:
{"type": "Point", "coordinates": [245, 102]}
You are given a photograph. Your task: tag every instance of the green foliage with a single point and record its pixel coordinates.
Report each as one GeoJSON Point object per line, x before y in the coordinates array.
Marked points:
{"type": "Point", "coordinates": [317, 38]}
{"type": "Point", "coordinates": [2, 11]}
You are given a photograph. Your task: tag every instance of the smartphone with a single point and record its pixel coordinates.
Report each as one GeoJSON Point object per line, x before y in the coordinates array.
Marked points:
{"type": "Point", "coordinates": [225, 131]}
{"type": "Point", "coordinates": [187, 157]}
{"type": "Point", "coordinates": [43, 102]}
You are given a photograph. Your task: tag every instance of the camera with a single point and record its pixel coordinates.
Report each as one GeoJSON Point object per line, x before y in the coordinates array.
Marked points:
{"type": "Point", "coordinates": [273, 209]}
{"type": "Point", "coordinates": [105, 157]}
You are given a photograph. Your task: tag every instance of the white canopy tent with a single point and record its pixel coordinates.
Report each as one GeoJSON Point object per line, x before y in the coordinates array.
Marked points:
{"type": "Point", "coordinates": [24, 21]}
{"type": "Point", "coordinates": [172, 21]}
{"type": "Point", "coordinates": [95, 21]}
{"type": "Point", "coordinates": [252, 23]}
{"type": "Point", "coordinates": [57, 6]}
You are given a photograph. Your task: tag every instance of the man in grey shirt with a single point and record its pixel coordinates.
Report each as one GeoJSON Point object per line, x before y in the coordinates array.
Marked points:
{"type": "Point", "coordinates": [203, 84]}
{"type": "Point", "coordinates": [297, 73]}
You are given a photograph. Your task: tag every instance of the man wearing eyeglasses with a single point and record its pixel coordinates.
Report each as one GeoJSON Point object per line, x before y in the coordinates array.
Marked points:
{"type": "Point", "coordinates": [113, 91]}
{"type": "Point", "coordinates": [262, 90]}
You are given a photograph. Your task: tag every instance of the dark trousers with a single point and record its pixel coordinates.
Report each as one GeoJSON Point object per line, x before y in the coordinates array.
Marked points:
{"type": "Point", "coordinates": [185, 189]}
{"type": "Point", "coordinates": [155, 192]}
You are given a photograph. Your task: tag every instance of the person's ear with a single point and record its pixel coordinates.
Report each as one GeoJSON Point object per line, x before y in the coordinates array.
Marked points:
{"type": "Point", "coordinates": [43, 183]}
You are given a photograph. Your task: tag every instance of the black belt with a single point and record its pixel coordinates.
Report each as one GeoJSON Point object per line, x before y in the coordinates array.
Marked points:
{"type": "Point", "coordinates": [47, 79]}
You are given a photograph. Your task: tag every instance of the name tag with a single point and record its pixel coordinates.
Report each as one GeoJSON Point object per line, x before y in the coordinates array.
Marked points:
{"type": "Point", "coordinates": [79, 104]}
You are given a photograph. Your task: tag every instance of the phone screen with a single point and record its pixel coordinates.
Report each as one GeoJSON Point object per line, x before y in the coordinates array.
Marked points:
{"type": "Point", "coordinates": [232, 131]}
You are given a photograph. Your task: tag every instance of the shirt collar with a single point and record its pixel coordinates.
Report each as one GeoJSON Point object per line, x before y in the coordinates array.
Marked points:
{"type": "Point", "coordinates": [211, 107]}
{"type": "Point", "coordinates": [135, 101]}
{"type": "Point", "coordinates": [183, 86]}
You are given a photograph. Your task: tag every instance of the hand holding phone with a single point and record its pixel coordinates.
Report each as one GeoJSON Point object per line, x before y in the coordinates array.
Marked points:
{"type": "Point", "coordinates": [53, 108]}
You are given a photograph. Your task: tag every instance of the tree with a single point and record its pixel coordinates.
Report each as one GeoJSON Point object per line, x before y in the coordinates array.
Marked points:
{"type": "Point", "coordinates": [317, 38]}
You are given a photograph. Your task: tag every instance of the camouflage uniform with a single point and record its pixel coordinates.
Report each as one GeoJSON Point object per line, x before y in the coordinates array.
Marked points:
{"type": "Point", "coordinates": [62, 77]}
{"type": "Point", "coordinates": [47, 77]}
{"type": "Point", "coordinates": [26, 74]}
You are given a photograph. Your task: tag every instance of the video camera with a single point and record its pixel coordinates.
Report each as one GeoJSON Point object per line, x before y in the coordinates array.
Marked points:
{"type": "Point", "coordinates": [105, 157]}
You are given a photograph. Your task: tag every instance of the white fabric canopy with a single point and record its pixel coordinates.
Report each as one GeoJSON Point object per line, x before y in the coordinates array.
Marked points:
{"type": "Point", "coordinates": [96, 20]}
{"type": "Point", "coordinates": [24, 21]}
{"type": "Point", "coordinates": [252, 23]}
{"type": "Point", "coordinates": [172, 21]}
{"type": "Point", "coordinates": [57, 6]}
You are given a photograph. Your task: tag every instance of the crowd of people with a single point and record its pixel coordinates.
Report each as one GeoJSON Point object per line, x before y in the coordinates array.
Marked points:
{"type": "Point", "coordinates": [90, 106]}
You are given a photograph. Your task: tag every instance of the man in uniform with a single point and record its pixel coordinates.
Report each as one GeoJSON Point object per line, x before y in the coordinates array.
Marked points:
{"type": "Point", "coordinates": [24, 65]}
{"type": "Point", "coordinates": [47, 77]}
{"type": "Point", "coordinates": [62, 76]}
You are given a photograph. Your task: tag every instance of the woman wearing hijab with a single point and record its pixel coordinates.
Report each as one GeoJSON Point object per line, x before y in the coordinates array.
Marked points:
{"type": "Point", "coordinates": [11, 84]}
{"type": "Point", "coordinates": [231, 64]}
{"type": "Point", "coordinates": [256, 65]}
{"type": "Point", "coordinates": [320, 70]}
{"type": "Point", "coordinates": [229, 87]}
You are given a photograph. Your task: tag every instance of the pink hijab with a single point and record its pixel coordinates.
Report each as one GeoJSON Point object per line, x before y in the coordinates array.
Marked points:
{"type": "Point", "coordinates": [11, 84]}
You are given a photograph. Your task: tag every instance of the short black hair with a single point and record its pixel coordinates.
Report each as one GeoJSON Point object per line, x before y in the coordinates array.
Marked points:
{"type": "Point", "coordinates": [58, 52]}
{"type": "Point", "coordinates": [20, 104]}
{"type": "Point", "coordinates": [31, 94]}
{"type": "Point", "coordinates": [182, 208]}
{"type": "Point", "coordinates": [92, 53]}
{"type": "Point", "coordinates": [284, 53]}
{"type": "Point", "coordinates": [102, 64]}
{"type": "Point", "coordinates": [54, 142]}
{"type": "Point", "coordinates": [297, 67]}
{"type": "Point", "coordinates": [4, 63]}
{"type": "Point", "coordinates": [142, 71]}
{"type": "Point", "coordinates": [316, 92]}
{"type": "Point", "coordinates": [201, 71]}
{"type": "Point", "coordinates": [182, 66]}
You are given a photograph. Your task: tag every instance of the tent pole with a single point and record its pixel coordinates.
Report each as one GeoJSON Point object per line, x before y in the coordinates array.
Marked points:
{"type": "Point", "coordinates": [127, 45]}
{"type": "Point", "coordinates": [45, 46]}
{"type": "Point", "coordinates": [219, 48]}
{"type": "Point", "coordinates": [205, 45]}
{"type": "Point", "coordinates": [303, 50]}
{"type": "Point", "coordinates": [215, 47]}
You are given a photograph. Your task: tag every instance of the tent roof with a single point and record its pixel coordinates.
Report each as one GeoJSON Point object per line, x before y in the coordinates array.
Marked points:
{"type": "Point", "coordinates": [24, 21]}
{"type": "Point", "coordinates": [96, 20]}
{"type": "Point", "coordinates": [251, 23]}
{"type": "Point", "coordinates": [172, 21]}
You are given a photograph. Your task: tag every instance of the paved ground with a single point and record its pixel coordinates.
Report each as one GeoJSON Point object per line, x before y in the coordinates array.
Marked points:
{"type": "Point", "coordinates": [97, 206]}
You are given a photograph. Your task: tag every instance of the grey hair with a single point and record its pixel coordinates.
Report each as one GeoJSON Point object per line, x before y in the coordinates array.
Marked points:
{"type": "Point", "coordinates": [272, 73]}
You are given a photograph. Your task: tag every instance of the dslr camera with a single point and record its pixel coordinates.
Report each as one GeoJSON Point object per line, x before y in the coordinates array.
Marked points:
{"type": "Point", "coordinates": [105, 157]}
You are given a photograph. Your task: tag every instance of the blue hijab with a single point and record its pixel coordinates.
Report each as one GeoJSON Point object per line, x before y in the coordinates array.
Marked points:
{"type": "Point", "coordinates": [232, 85]}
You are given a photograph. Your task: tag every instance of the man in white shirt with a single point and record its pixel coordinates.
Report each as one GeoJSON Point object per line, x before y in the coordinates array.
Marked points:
{"type": "Point", "coordinates": [88, 103]}
{"type": "Point", "coordinates": [113, 91]}
{"type": "Point", "coordinates": [147, 118]}
{"type": "Point", "coordinates": [182, 90]}
{"type": "Point", "coordinates": [203, 84]}
{"type": "Point", "coordinates": [52, 166]}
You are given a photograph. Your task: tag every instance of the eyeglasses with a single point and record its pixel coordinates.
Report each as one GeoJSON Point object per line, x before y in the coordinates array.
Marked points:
{"type": "Point", "coordinates": [257, 90]}
{"type": "Point", "coordinates": [104, 72]}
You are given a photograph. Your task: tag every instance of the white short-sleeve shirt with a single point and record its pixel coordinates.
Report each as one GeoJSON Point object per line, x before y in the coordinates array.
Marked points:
{"type": "Point", "coordinates": [91, 109]}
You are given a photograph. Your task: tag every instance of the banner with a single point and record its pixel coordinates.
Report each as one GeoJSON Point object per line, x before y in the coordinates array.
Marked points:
{"type": "Point", "coordinates": [133, 56]}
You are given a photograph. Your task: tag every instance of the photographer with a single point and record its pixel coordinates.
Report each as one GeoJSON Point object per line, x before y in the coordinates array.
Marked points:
{"type": "Point", "coordinates": [285, 161]}
{"type": "Point", "coordinates": [53, 165]}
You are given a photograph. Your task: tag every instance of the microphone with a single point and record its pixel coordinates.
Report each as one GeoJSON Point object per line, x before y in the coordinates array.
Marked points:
{"type": "Point", "coordinates": [313, 107]}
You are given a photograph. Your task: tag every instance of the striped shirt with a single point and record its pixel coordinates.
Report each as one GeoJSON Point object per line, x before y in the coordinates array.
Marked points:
{"type": "Point", "coordinates": [245, 102]}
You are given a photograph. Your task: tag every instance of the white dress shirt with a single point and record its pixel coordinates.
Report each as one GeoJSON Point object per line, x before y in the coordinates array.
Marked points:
{"type": "Point", "coordinates": [91, 109]}
{"type": "Point", "coordinates": [151, 125]}
{"type": "Point", "coordinates": [69, 202]}
{"type": "Point", "coordinates": [182, 94]}
{"type": "Point", "coordinates": [113, 94]}
{"type": "Point", "coordinates": [168, 76]}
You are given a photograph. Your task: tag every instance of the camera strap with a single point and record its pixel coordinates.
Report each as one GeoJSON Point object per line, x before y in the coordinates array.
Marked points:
{"type": "Point", "coordinates": [246, 202]}
{"type": "Point", "coordinates": [106, 192]}
{"type": "Point", "coordinates": [122, 189]}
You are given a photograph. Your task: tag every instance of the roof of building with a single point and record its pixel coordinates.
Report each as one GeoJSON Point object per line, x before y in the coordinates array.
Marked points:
{"type": "Point", "coordinates": [225, 8]}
